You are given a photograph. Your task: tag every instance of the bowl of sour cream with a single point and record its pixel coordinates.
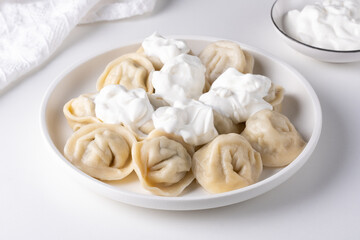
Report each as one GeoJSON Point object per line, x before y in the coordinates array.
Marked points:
{"type": "Point", "coordinates": [326, 30]}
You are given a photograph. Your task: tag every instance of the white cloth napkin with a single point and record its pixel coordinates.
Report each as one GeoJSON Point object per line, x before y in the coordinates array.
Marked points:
{"type": "Point", "coordinates": [30, 31]}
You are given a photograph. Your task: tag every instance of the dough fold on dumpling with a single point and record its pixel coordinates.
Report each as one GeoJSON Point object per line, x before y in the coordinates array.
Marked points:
{"type": "Point", "coordinates": [141, 132]}
{"type": "Point", "coordinates": [226, 163]}
{"type": "Point", "coordinates": [101, 150]}
{"type": "Point", "coordinates": [157, 101]}
{"type": "Point", "coordinates": [250, 62]}
{"type": "Point", "coordinates": [220, 55]}
{"type": "Point", "coordinates": [156, 62]}
{"type": "Point", "coordinates": [163, 163]}
{"type": "Point", "coordinates": [80, 111]}
{"type": "Point", "coordinates": [225, 125]}
{"type": "Point", "coordinates": [274, 137]}
{"type": "Point", "coordinates": [145, 129]}
{"type": "Point", "coordinates": [275, 97]}
{"type": "Point", "coordinates": [131, 70]}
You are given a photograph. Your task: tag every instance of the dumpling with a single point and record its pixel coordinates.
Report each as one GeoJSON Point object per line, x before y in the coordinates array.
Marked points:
{"type": "Point", "coordinates": [274, 137]}
{"type": "Point", "coordinates": [154, 60]}
{"type": "Point", "coordinates": [181, 78]}
{"type": "Point", "coordinates": [160, 50]}
{"type": "Point", "coordinates": [250, 62]}
{"type": "Point", "coordinates": [163, 163]}
{"type": "Point", "coordinates": [225, 125]}
{"type": "Point", "coordinates": [145, 130]}
{"type": "Point", "coordinates": [275, 97]}
{"type": "Point", "coordinates": [157, 101]}
{"type": "Point", "coordinates": [226, 163]}
{"type": "Point", "coordinates": [236, 95]}
{"type": "Point", "coordinates": [101, 150]}
{"type": "Point", "coordinates": [193, 121]}
{"type": "Point", "coordinates": [131, 70]}
{"type": "Point", "coordinates": [220, 55]}
{"type": "Point", "coordinates": [80, 111]}
{"type": "Point", "coordinates": [117, 105]}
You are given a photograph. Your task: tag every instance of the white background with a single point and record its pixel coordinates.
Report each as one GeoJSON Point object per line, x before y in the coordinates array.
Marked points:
{"type": "Point", "coordinates": [321, 201]}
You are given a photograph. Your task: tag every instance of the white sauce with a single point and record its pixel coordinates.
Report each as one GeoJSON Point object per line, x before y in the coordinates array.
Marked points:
{"type": "Point", "coordinates": [237, 95]}
{"type": "Point", "coordinates": [115, 104]}
{"type": "Point", "coordinates": [178, 86]}
{"type": "Point", "coordinates": [193, 121]}
{"type": "Point", "coordinates": [163, 48]}
{"type": "Point", "coordinates": [330, 24]}
{"type": "Point", "coordinates": [181, 78]}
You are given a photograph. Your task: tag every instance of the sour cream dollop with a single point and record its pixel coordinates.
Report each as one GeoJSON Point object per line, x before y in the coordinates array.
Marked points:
{"type": "Point", "coordinates": [163, 48]}
{"type": "Point", "coordinates": [181, 78]}
{"type": "Point", "coordinates": [115, 104]}
{"type": "Point", "coordinates": [330, 24]}
{"type": "Point", "coordinates": [193, 121]}
{"type": "Point", "coordinates": [237, 95]}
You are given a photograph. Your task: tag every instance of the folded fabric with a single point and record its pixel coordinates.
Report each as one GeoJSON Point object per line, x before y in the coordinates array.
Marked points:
{"type": "Point", "coordinates": [30, 31]}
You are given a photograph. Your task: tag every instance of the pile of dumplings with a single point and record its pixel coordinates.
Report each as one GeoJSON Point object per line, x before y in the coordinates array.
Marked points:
{"type": "Point", "coordinates": [222, 152]}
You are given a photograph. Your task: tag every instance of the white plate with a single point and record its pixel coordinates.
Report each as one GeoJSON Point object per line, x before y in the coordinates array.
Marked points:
{"type": "Point", "coordinates": [300, 105]}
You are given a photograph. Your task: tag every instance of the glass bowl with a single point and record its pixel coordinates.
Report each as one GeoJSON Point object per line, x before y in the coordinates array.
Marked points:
{"type": "Point", "coordinates": [278, 11]}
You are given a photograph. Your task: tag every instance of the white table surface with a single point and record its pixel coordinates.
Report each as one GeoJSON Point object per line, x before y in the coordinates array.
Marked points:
{"type": "Point", "coordinates": [321, 201]}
